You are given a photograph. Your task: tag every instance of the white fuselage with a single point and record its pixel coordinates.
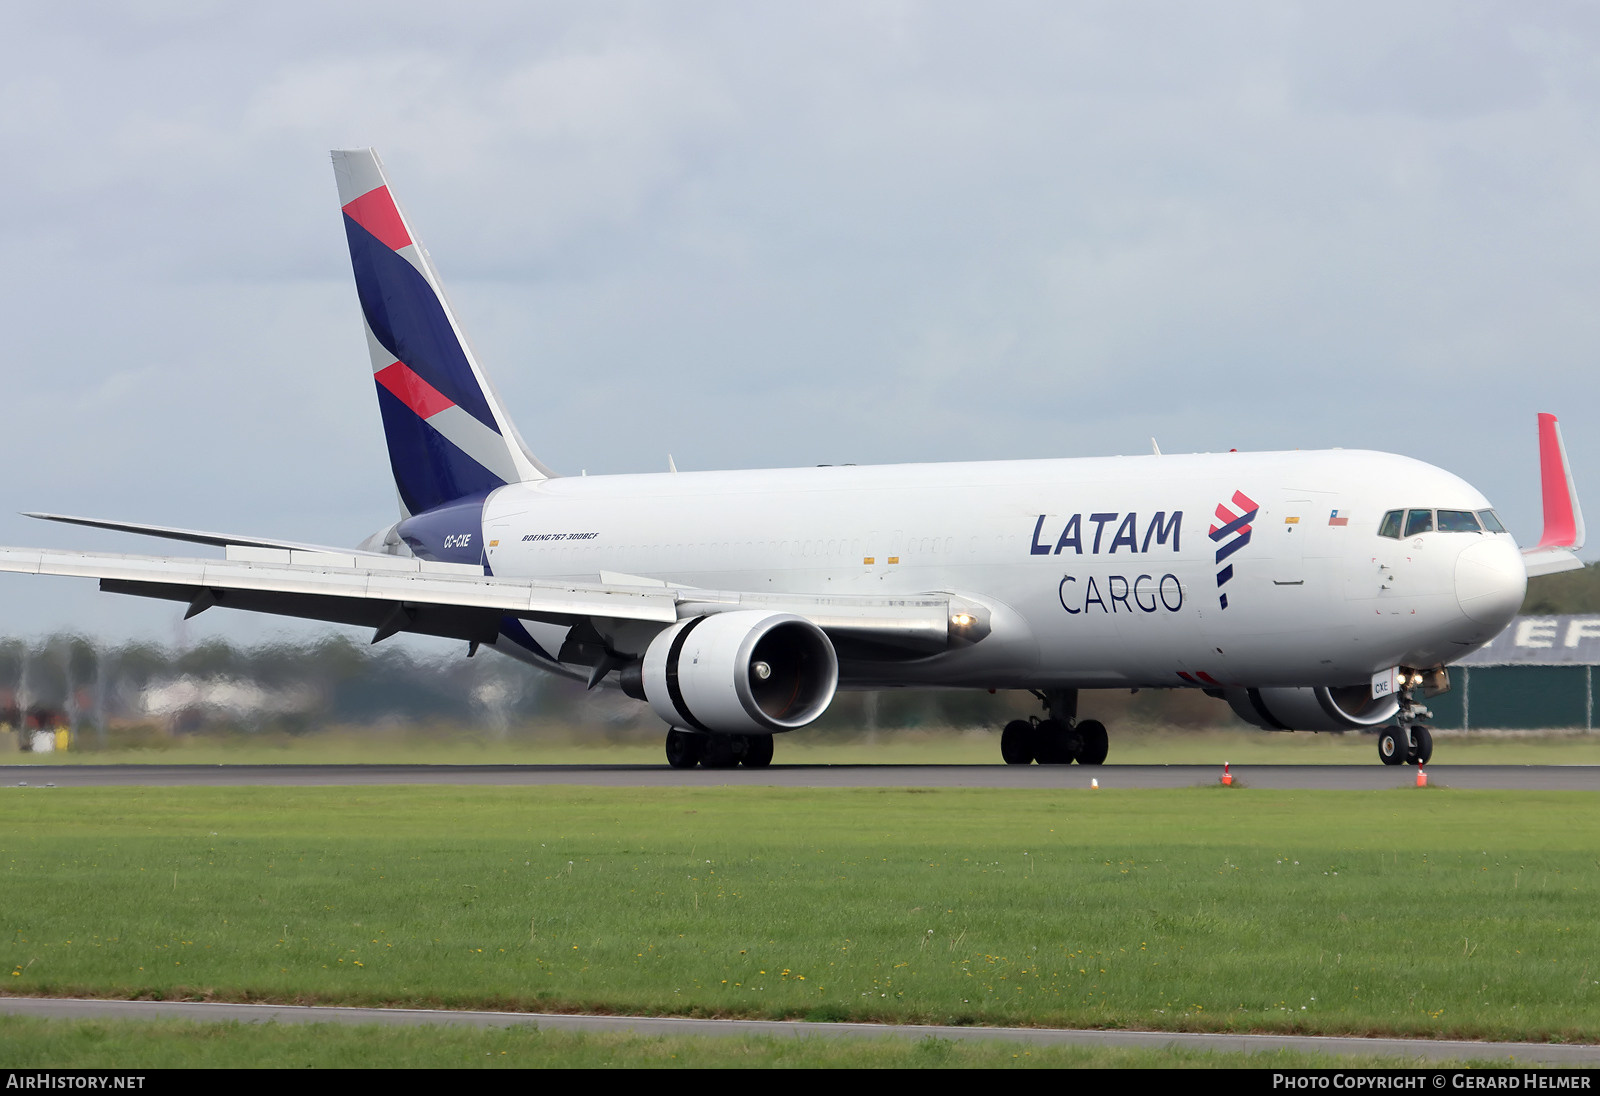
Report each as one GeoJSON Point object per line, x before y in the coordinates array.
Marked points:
{"type": "Point", "coordinates": [1098, 572]}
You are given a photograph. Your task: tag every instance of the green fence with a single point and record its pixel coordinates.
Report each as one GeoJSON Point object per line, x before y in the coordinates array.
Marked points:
{"type": "Point", "coordinates": [1516, 698]}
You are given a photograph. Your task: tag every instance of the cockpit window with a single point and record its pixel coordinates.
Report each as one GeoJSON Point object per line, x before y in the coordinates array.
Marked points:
{"type": "Point", "coordinates": [1449, 521]}
{"type": "Point", "coordinates": [1419, 521]}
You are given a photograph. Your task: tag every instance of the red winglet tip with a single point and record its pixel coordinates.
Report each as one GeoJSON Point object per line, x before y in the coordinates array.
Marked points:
{"type": "Point", "coordinates": [1560, 524]}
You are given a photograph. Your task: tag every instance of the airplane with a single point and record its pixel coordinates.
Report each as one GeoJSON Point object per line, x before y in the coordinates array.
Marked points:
{"type": "Point", "coordinates": [1317, 590]}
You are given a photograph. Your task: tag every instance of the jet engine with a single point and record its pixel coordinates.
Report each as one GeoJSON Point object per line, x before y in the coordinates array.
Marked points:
{"type": "Point", "coordinates": [1345, 708]}
{"type": "Point", "coordinates": [743, 672]}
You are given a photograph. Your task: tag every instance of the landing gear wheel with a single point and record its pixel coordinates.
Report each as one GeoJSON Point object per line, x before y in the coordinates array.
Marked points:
{"type": "Point", "coordinates": [1056, 743]}
{"type": "Point", "coordinates": [684, 750]}
{"type": "Point", "coordinates": [722, 751]}
{"type": "Point", "coordinates": [757, 751]}
{"type": "Point", "coordinates": [1017, 743]}
{"type": "Point", "coordinates": [1096, 744]}
{"type": "Point", "coordinates": [1422, 745]}
{"type": "Point", "coordinates": [1392, 746]}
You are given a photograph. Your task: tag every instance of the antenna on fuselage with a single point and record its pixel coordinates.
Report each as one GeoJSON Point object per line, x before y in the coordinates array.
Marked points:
{"type": "Point", "coordinates": [1154, 448]}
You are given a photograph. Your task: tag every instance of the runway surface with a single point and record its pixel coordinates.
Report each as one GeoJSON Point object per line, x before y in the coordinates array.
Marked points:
{"type": "Point", "coordinates": [1336, 777]}
{"type": "Point", "coordinates": [1419, 1050]}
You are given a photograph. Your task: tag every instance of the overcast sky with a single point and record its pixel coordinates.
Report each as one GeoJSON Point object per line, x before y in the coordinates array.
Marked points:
{"type": "Point", "coordinates": [768, 235]}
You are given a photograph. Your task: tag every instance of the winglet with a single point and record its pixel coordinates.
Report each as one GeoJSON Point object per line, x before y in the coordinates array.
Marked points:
{"type": "Point", "coordinates": [1557, 549]}
{"type": "Point", "coordinates": [1563, 517]}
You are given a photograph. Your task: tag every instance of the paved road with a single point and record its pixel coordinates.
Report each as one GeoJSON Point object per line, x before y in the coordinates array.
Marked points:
{"type": "Point", "coordinates": [1416, 1050]}
{"type": "Point", "coordinates": [1343, 777]}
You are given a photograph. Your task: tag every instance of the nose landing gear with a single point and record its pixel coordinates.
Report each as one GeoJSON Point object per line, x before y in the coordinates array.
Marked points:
{"type": "Point", "coordinates": [1059, 739]}
{"type": "Point", "coordinates": [1409, 742]}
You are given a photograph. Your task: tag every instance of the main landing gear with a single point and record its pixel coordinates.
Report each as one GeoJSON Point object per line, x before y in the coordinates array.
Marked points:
{"type": "Point", "coordinates": [1059, 739]}
{"type": "Point", "coordinates": [686, 749]}
{"type": "Point", "coordinates": [1409, 742]}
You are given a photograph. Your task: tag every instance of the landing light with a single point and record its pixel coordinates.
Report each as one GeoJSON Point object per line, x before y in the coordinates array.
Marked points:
{"type": "Point", "coordinates": [962, 620]}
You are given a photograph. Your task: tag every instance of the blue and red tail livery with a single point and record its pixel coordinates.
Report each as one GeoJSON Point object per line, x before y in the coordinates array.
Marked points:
{"type": "Point", "coordinates": [449, 436]}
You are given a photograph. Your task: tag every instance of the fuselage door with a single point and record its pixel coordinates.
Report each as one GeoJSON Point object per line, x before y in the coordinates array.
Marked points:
{"type": "Point", "coordinates": [1288, 531]}
{"type": "Point", "coordinates": [497, 540]}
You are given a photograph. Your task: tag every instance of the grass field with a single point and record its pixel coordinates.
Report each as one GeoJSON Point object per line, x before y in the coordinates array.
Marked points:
{"type": "Point", "coordinates": [563, 745]}
{"type": "Point", "coordinates": [1412, 912]}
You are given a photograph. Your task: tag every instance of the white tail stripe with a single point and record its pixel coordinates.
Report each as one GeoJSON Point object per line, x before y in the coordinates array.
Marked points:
{"type": "Point", "coordinates": [459, 428]}
{"type": "Point", "coordinates": [476, 441]}
{"type": "Point", "coordinates": [412, 254]}
{"type": "Point", "coordinates": [381, 358]}
{"type": "Point", "coordinates": [357, 172]}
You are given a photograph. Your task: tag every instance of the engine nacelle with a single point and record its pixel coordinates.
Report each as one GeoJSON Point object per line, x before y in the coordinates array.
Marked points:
{"type": "Point", "coordinates": [744, 672]}
{"type": "Point", "coordinates": [1346, 708]}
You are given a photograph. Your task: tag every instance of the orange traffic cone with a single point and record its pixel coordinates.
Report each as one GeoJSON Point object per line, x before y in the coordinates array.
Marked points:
{"type": "Point", "coordinates": [1227, 777]}
{"type": "Point", "coordinates": [1422, 778]}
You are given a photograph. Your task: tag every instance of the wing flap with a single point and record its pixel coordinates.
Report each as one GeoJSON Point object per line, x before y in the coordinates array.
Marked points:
{"type": "Point", "coordinates": [451, 622]}
{"type": "Point", "coordinates": [357, 584]}
{"type": "Point", "coordinates": [916, 622]}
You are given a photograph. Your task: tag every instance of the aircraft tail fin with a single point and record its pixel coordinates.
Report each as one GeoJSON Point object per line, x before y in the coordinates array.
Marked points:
{"type": "Point", "coordinates": [448, 432]}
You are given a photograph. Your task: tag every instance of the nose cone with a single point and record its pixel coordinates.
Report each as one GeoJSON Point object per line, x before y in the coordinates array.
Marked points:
{"type": "Point", "coordinates": [1491, 581]}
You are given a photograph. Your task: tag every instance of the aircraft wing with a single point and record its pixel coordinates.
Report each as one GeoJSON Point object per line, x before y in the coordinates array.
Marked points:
{"type": "Point", "coordinates": [392, 594]}
{"type": "Point", "coordinates": [1550, 561]}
